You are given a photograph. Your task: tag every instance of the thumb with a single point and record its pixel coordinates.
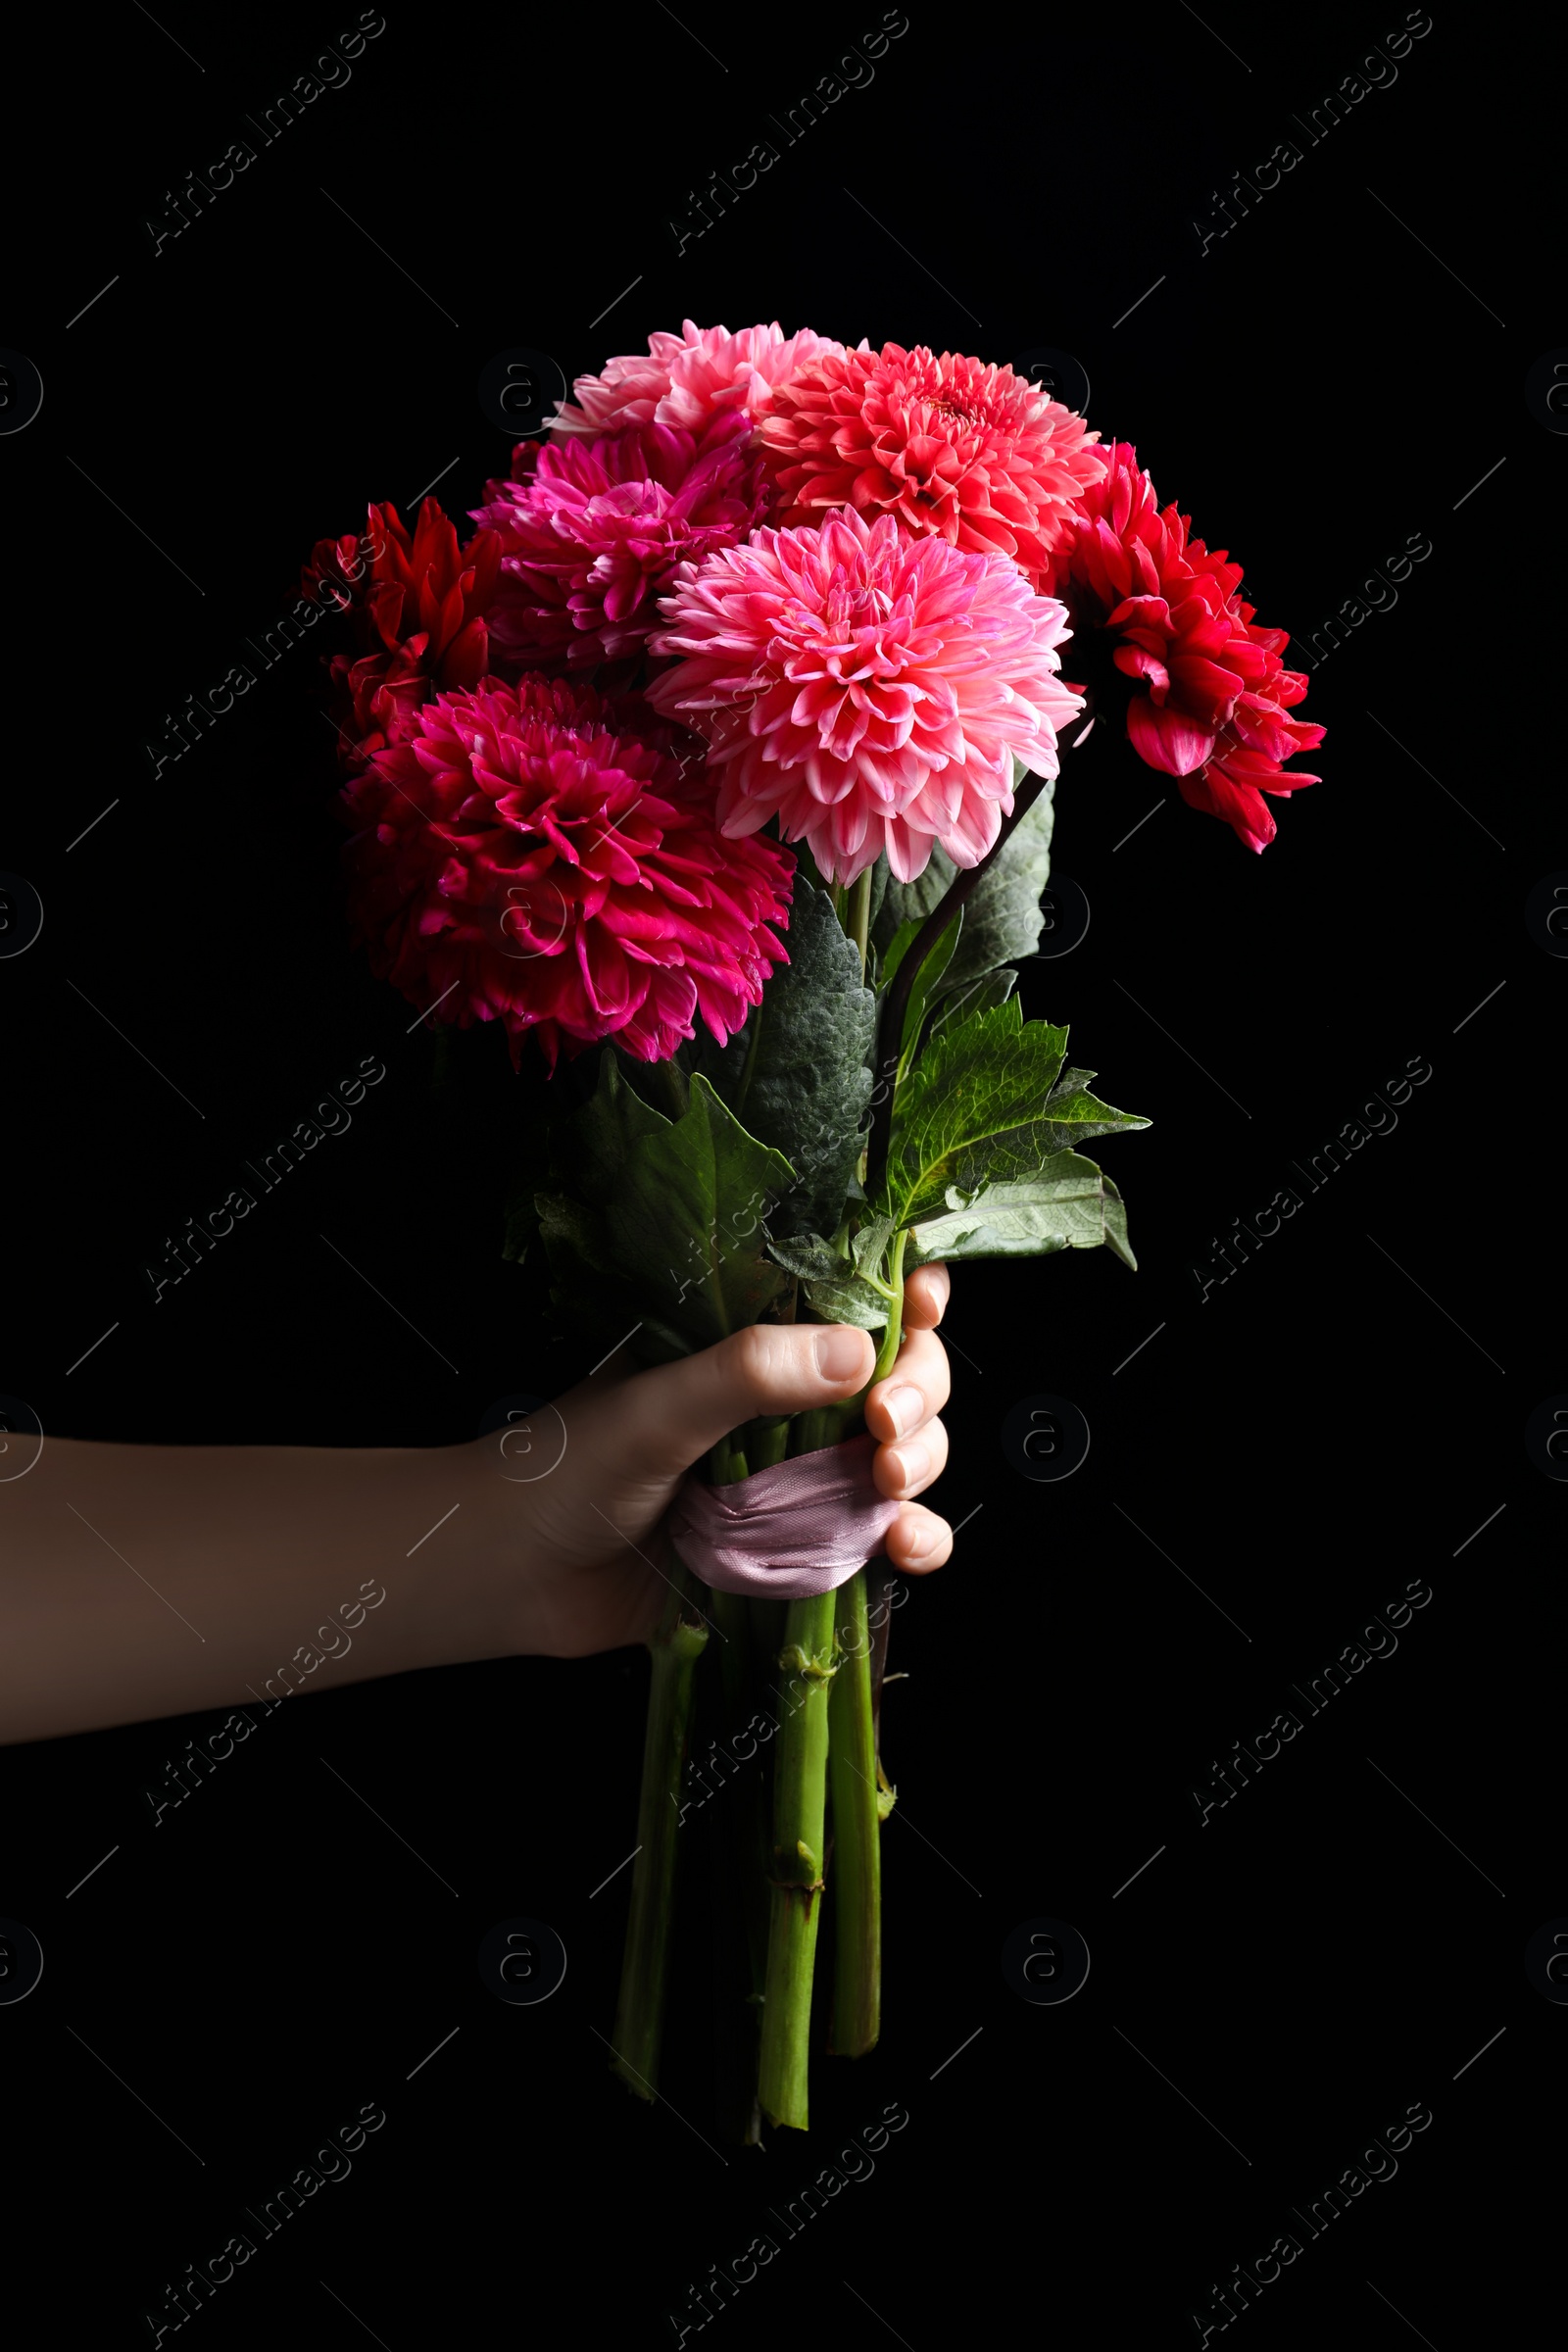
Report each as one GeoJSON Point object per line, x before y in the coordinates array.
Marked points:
{"type": "Point", "coordinates": [669, 1417]}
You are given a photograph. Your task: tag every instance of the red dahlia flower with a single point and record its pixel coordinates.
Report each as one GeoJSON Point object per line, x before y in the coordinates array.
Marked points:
{"type": "Point", "coordinates": [1214, 712]}
{"type": "Point", "coordinates": [869, 689]}
{"type": "Point", "coordinates": [977, 455]}
{"type": "Point", "coordinates": [418, 607]}
{"type": "Point", "coordinates": [593, 532]}
{"type": "Point", "coordinates": [516, 861]}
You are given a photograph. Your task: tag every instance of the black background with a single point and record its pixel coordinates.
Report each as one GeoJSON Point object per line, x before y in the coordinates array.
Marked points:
{"type": "Point", "coordinates": [1280, 1984]}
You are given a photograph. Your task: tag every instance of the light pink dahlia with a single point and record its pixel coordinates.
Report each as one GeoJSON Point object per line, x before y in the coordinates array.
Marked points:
{"type": "Point", "coordinates": [595, 529]}
{"type": "Point", "coordinates": [870, 690]}
{"type": "Point", "coordinates": [975, 453]}
{"type": "Point", "coordinates": [688, 379]}
{"type": "Point", "coordinates": [517, 861]}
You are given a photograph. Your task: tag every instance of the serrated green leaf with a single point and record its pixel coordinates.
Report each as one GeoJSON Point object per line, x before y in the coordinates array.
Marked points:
{"type": "Point", "coordinates": [928, 984]}
{"type": "Point", "coordinates": [685, 1225]}
{"type": "Point", "coordinates": [1073, 1115]}
{"type": "Point", "coordinates": [1116, 1227]}
{"type": "Point", "coordinates": [870, 1244]}
{"type": "Point", "coordinates": [1063, 1207]}
{"type": "Point", "coordinates": [663, 1222]}
{"type": "Point", "coordinates": [991, 988]}
{"type": "Point", "coordinates": [809, 1255]}
{"type": "Point", "coordinates": [970, 1112]}
{"type": "Point", "coordinates": [1001, 914]}
{"type": "Point", "coordinates": [850, 1300]}
{"type": "Point", "coordinates": [811, 1077]}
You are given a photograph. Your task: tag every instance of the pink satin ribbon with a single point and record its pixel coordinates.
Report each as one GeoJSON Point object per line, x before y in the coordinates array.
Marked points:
{"type": "Point", "coordinates": [787, 1534]}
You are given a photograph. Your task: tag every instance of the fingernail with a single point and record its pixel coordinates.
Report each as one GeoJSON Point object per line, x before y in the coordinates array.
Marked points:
{"type": "Point", "coordinates": [913, 1462]}
{"type": "Point", "coordinates": [840, 1352]}
{"type": "Point", "coordinates": [918, 1541]}
{"type": "Point", "coordinates": [904, 1408]}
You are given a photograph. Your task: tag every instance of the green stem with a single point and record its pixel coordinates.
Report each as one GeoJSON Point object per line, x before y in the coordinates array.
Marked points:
{"type": "Point", "coordinates": [728, 1461]}
{"type": "Point", "coordinates": [740, 1893]}
{"type": "Point", "coordinates": [800, 1812]}
{"type": "Point", "coordinates": [852, 1764]}
{"type": "Point", "coordinates": [857, 1835]}
{"type": "Point", "coordinates": [750, 1064]}
{"type": "Point", "coordinates": [771, 1442]}
{"type": "Point", "coordinates": [893, 1337]}
{"type": "Point", "coordinates": [677, 1644]}
{"type": "Point", "coordinates": [856, 917]}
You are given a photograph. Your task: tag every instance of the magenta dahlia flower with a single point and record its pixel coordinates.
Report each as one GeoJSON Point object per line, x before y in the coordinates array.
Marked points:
{"type": "Point", "coordinates": [688, 379]}
{"type": "Point", "coordinates": [1213, 710]}
{"type": "Point", "coordinates": [974, 454]}
{"type": "Point", "coordinates": [868, 689]}
{"type": "Point", "coordinates": [517, 861]}
{"type": "Point", "coordinates": [593, 532]}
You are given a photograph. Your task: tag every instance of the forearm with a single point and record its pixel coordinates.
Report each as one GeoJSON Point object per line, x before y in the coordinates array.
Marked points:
{"type": "Point", "coordinates": [139, 1581]}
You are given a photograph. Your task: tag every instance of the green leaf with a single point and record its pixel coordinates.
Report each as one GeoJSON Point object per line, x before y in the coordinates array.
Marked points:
{"type": "Point", "coordinates": [1073, 1114]}
{"type": "Point", "coordinates": [870, 1244]}
{"type": "Point", "coordinates": [1001, 914]}
{"type": "Point", "coordinates": [927, 987]}
{"type": "Point", "coordinates": [685, 1224]}
{"type": "Point", "coordinates": [1063, 1207]}
{"type": "Point", "coordinates": [837, 1290]}
{"type": "Point", "coordinates": [1117, 1226]}
{"type": "Point", "coordinates": [593, 1290]}
{"type": "Point", "coordinates": [809, 1257]}
{"type": "Point", "coordinates": [971, 1113]}
{"type": "Point", "coordinates": [849, 1300]}
{"type": "Point", "coordinates": [811, 1078]}
{"type": "Point", "coordinates": [662, 1223]}
{"type": "Point", "coordinates": [597, 1145]}
{"type": "Point", "coordinates": [905, 905]}
{"type": "Point", "coordinates": [991, 988]}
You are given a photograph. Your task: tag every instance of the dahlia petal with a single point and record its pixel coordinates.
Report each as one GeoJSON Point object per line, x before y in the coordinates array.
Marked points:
{"type": "Point", "coordinates": [1164, 739]}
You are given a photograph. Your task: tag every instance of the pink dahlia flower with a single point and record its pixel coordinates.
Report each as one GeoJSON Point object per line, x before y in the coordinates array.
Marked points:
{"type": "Point", "coordinates": [1213, 710]}
{"type": "Point", "coordinates": [870, 690]}
{"type": "Point", "coordinates": [690, 379]}
{"type": "Point", "coordinates": [593, 532]}
{"type": "Point", "coordinates": [516, 861]}
{"type": "Point", "coordinates": [974, 454]}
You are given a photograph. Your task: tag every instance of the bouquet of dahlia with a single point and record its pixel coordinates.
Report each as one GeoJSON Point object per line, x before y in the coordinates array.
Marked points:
{"type": "Point", "coordinates": [719, 760]}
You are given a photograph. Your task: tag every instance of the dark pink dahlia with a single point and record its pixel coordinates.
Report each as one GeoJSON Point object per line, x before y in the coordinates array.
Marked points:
{"type": "Point", "coordinates": [518, 861]}
{"type": "Point", "coordinates": [593, 530]}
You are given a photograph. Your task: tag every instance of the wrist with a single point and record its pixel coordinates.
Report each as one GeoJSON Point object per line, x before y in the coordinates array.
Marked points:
{"type": "Point", "coordinates": [468, 1569]}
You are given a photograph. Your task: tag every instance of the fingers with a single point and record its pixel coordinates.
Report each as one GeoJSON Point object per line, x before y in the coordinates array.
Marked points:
{"type": "Point", "coordinates": [925, 1296]}
{"type": "Point", "coordinates": [910, 1466]}
{"type": "Point", "coordinates": [669, 1417]}
{"type": "Point", "coordinates": [917, 1387]}
{"type": "Point", "coordinates": [919, 1540]}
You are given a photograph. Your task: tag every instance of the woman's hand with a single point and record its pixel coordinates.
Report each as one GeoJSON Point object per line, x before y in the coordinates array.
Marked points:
{"type": "Point", "coordinates": [582, 1533]}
